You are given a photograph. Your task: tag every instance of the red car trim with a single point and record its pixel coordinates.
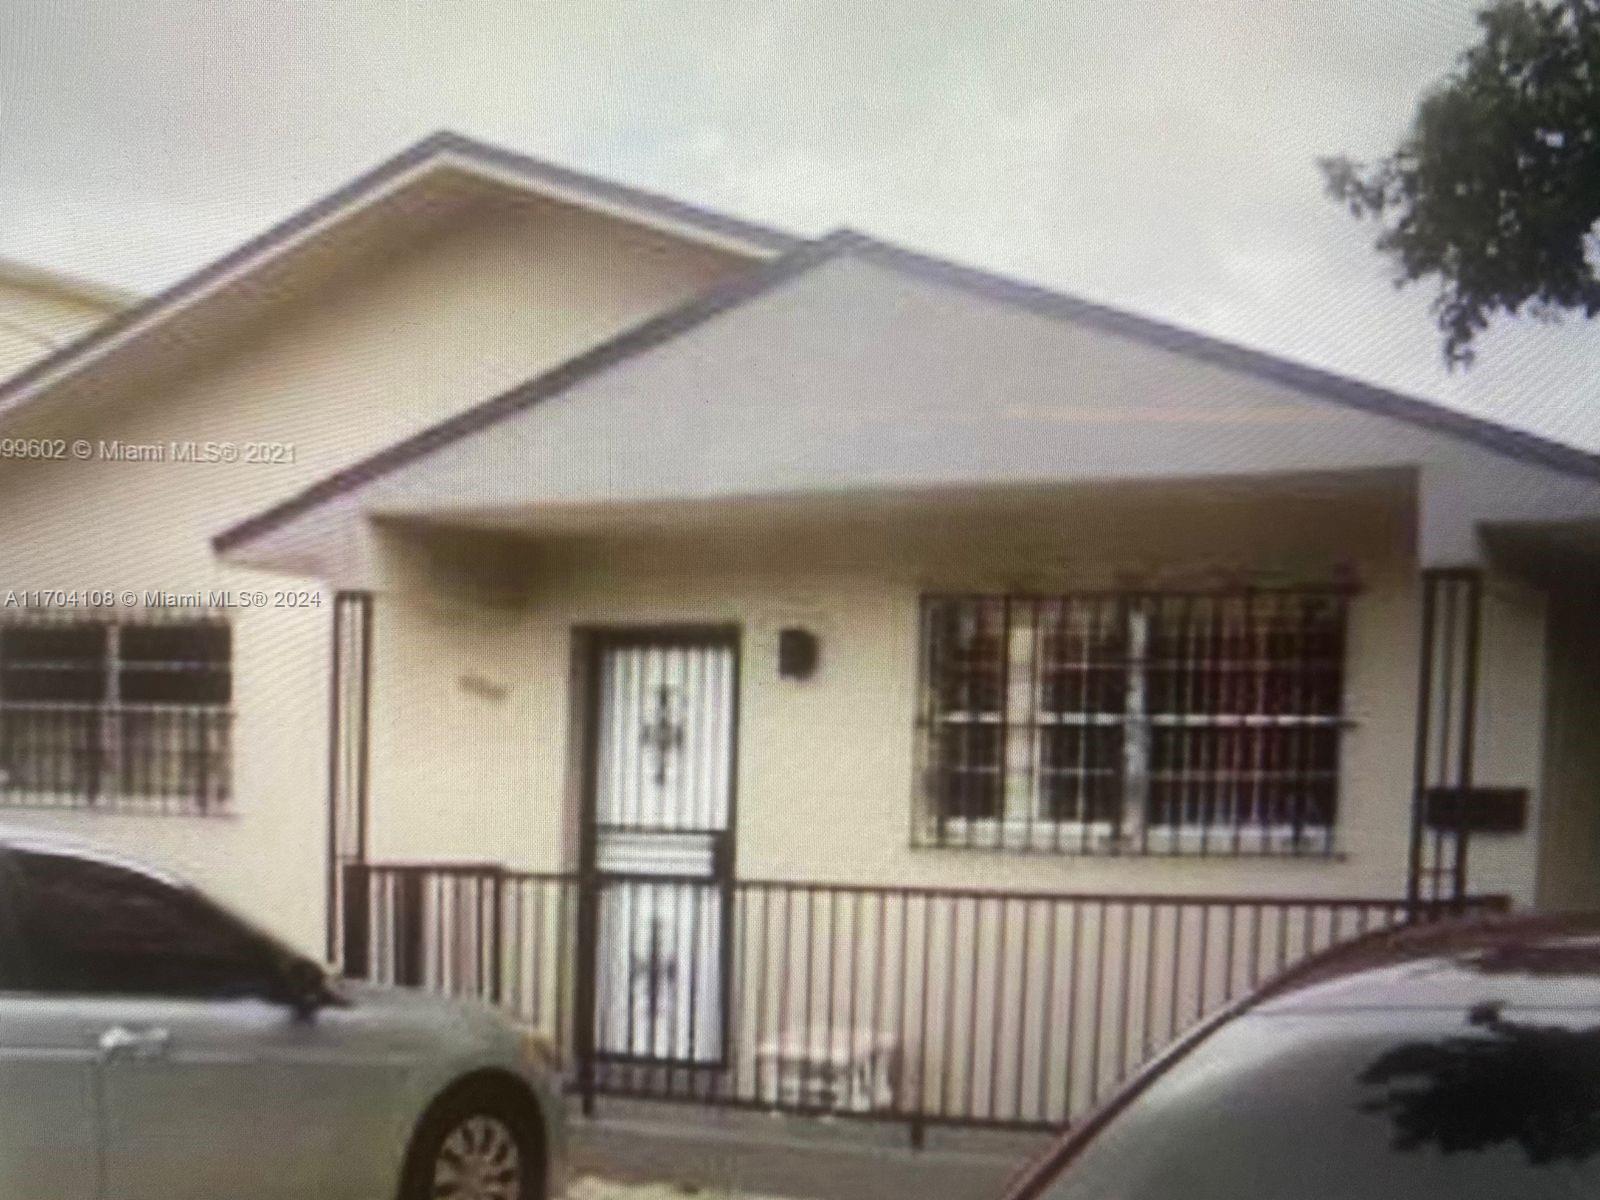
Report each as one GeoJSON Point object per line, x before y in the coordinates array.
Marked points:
{"type": "Point", "coordinates": [1031, 1180]}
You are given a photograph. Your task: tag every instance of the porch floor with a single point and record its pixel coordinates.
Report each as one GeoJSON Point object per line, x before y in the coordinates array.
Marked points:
{"type": "Point", "coordinates": [661, 1150]}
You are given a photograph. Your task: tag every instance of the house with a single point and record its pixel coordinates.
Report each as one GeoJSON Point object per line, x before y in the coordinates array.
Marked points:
{"type": "Point", "coordinates": [41, 311]}
{"type": "Point", "coordinates": [798, 672]}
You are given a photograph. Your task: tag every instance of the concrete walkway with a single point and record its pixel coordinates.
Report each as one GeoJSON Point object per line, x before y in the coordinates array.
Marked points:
{"type": "Point", "coordinates": [682, 1150]}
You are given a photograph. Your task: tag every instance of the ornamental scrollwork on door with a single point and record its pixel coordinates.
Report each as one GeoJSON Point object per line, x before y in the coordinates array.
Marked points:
{"type": "Point", "coordinates": [663, 733]}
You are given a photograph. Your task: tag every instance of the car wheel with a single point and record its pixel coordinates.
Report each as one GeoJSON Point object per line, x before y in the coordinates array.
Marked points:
{"type": "Point", "coordinates": [478, 1144]}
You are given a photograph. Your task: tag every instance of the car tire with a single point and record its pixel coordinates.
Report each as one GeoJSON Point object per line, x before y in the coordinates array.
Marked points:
{"type": "Point", "coordinates": [483, 1140]}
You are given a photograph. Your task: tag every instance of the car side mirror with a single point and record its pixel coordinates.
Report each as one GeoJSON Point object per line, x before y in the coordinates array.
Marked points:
{"type": "Point", "coordinates": [303, 986]}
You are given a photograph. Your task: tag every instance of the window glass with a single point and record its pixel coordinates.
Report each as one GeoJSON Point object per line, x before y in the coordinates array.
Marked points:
{"type": "Point", "coordinates": [966, 643]}
{"type": "Point", "coordinates": [178, 663]}
{"type": "Point", "coordinates": [11, 974]}
{"type": "Point", "coordinates": [1080, 772]}
{"type": "Point", "coordinates": [93, 928]}
{"type": "Point", "coordinates": [1386, 1104]}
{"type": "Point", "coordinates": [59, 663]}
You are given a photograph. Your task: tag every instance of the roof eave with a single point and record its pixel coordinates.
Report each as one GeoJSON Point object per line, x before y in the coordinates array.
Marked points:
{"type": "Point", "coordinates": [444, 150]}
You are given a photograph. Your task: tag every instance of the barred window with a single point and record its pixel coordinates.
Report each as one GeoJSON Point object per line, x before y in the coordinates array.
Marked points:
{"type": "Point", "coordinates": [126, 710]}
{"type": "Point", "coordinates": [1118, 723]}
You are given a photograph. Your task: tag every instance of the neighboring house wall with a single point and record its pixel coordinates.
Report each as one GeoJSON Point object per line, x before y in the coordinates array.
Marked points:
{"type": "Point", "coordinates": [40, 312]}
{"type": "Point", "coordinates": [1509, 742]}
{"type": "Point", "coordinates": [337, 371]}
{"type": "Point", "coordinates": [825, 774]}
{"type": "Point", "coordinates": [1569, 859]}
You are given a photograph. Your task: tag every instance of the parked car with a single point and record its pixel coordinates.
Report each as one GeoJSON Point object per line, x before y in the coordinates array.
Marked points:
{"type": "Point", "coordinates": [1452, 1062]}
{"type": "Point", "coordinates": [153, 1044]}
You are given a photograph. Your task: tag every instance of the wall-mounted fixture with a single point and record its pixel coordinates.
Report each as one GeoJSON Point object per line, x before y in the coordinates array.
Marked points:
{"type": "Point", "coordinates": [797, 653]}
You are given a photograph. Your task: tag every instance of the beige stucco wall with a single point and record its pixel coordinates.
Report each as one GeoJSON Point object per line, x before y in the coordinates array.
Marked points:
{"type": "Point", "coordinates": [1569, 859]}
{"type": "Point", "coordinates": [394, 342]}
{"type": "Point", "coordinates": [1509, 747]}
{"type": "Point", "coordinates": [825, 766]}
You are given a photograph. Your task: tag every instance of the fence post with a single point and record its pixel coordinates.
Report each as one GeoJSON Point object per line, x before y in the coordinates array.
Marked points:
{"type": "Point", "coordinates": [583, 1005]}
{"type": "Point", "coordinates": [355, 920]}
{"type": "Point", "coordinates": [408, 928]}
{"type": "Point", "coordinates": [496, 955]}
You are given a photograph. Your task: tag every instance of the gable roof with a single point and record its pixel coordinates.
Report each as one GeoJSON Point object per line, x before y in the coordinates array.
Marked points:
{"type": "Point", "coordinates": [654, 331]}
{"type": "Point", "coordinates": [72, 288]}
{"type": "Point", "coordinates": [444, 150]}
{"type": "Point", "coordinates": [1310, 381]}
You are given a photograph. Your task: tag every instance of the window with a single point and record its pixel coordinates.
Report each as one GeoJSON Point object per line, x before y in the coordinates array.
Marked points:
{"type": "Point", "coordinates": [91, 927]}
{"type": "Point", "coordinates": [126, 710]}
{"type": "Point", "coordinates": [1206, 723]}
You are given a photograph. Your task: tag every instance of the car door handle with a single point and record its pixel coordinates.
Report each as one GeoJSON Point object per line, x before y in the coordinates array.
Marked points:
{"type": "Point", "coordinates": [121, 1042]}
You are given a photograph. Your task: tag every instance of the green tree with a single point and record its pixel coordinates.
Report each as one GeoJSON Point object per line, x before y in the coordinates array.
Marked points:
{"type": "Point", "coordinates": [1496, 187]}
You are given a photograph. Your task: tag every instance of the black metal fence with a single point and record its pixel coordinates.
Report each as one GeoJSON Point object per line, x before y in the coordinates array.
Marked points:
{"type": "Point", "coordinates": [923, 1005]}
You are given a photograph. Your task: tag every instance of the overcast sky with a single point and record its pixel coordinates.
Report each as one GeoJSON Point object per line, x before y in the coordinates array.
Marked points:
{"type": "Point", "coordinates": [1156, 156]}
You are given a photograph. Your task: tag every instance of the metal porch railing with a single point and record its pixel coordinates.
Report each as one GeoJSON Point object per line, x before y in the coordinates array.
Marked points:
{"type": "Point", "coordinates": [918, 1004]}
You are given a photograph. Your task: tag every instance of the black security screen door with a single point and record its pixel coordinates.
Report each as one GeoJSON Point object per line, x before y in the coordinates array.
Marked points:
{"type": "Point", "coordinates": [659, 848]}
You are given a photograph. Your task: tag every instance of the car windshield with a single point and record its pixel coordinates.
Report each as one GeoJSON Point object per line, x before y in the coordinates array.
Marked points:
{"type": "Point", "coordinates": [1362, 1106]}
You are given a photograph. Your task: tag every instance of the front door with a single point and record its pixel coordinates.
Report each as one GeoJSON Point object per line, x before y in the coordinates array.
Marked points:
{"type": "Point", "coordinates": [660, 846]}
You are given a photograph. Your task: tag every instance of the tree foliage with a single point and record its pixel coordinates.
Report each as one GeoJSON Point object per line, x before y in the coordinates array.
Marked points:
{"type": "Point", "coordinates": [1496, 187]}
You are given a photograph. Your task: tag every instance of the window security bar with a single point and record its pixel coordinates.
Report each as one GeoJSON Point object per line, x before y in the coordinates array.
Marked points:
{"type": "Point", "coordinates": [1133, 723]}
{"type": "Point", "coordinates": [123, 709]}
